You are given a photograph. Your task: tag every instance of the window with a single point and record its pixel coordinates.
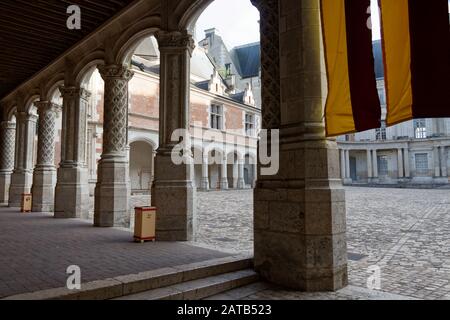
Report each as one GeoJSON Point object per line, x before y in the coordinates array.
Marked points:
{"type": "Point", "coordinates": [382, 165]}
{"type": "Point", "coordinates": [422, 162]}
{"type": "Point", "coordinates": [420, 129]}
{"type": "Point", "coordinates": [249, 124]}
{"type": "Point", "coordinates": [216, 116]}
{"type": "Point", "coordinates": [381, 132]}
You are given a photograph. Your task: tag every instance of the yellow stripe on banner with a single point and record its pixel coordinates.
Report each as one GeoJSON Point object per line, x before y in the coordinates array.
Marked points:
{"type": "Point", "coordinates": [397, 60]}
{"type": "Point", "coordinates": [338, 109]}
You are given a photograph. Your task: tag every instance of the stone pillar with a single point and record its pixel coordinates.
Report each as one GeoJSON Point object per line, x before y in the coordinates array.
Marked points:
{"type": "Point", "coordinates": [44, 175]}
{"type": "Point", "coordinates": [299, 213]}
{"type": "Point", "coordinates": [173, 192]}
{"type": "Point", "coordinates": [343, 173]}
{"type": "Point", "coordinates": [255, 175]}
{"type": "Point", "coordinates": [153, 169]}
{"type": "Point", "coordinates": [7, 137]}
{"type": "Point", "coordinates": [347, 164]}
{"type": "Point", "coordinates": [112, 190]}
{"type": "Point", "coordinates": [437, 166]}
{"type": "Point", "coordinates": [223, 174]}
{"type": "Point", "coordinates": [369, 165]}
{"type": "Point", "coordinates": [204, 183]}
{"type": "Point", "coordinates": [406, 160]}
{"type": "Point", "coordinates": [22, 176]}
{"type": "Point", "coordinates": [241, 180]}
{"type": "Point", "coordinates": [375, 164]}
{"type": "Point", "coordinates": [400, 163]}
{"type": "Point", "coordinates": [72, 185]}
{"type": "Point", "coordinates": [444, 170]}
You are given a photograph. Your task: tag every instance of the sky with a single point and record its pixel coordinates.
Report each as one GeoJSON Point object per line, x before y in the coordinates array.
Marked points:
{"type": "Point", "coordinates": [237, 21]}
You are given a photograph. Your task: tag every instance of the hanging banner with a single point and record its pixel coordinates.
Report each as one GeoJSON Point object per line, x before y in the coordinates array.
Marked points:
{"type": "Point", "coordinates": [353, 104]}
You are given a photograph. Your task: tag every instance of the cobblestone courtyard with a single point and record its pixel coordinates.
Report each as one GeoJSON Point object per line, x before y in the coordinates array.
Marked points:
{"type": "Point", "coordinates": [405, 232]}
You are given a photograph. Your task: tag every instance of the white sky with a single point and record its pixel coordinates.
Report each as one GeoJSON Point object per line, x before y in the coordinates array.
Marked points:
{"type": "Point", "coordinates": [237, 21]}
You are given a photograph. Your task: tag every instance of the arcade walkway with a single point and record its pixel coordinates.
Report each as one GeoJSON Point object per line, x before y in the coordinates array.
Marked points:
{"type": "Point", "coordinates": [37, 249]}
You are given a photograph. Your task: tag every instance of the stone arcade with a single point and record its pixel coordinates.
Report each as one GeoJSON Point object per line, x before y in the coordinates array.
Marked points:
{"type": "Point", "coordinates": [299, 214]}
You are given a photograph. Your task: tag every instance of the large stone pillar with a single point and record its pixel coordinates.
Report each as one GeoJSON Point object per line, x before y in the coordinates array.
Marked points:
{"type": "Point", "coordinates": [347, 165]}
{"type": "Point", "coordinates": [172, 191]}
{"type": "Point", "coordinates": [369, 165]}
{"type": "Point", "coordinates": [241, 180]}
{"type": "Point", "coordinates": [444, 170]}
{"type": "Point", "coordinates": [437, 166]}
{"type": "Point", "coordinates": [299, 213]}
{"type": "Point", "coordinates": [44, 175]}
{"type": "Point", "coordinates": [400, 163]}
{"type": "Point", "coordinates": [375, 163]}
{"type": "Point", "coordinates": [22, 176]}
{"type": "Point", "coordinates": [7, 138]}
{"type": "Point", "coordinates": [204, 183]}
{"type": "Point", "coordinates": [223, 174]}
{"type": "Point", "coordinates": [407, 165]}
{"type": "Point", "coordinates": [72, 186]}
{"type": "Point", "coordinates": [342, 164]}
{"type": "Point", "coordinates": [111, 191]}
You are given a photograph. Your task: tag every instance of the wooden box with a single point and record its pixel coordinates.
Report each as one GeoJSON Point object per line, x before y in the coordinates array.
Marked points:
{"type": "Point", "coordinates": [144, 224]}
{"type": "Point", "coordinates": [25, 205]}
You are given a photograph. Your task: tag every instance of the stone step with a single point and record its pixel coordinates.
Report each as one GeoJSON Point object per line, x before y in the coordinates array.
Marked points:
{"type": "Point", "coordinates": [241, 292]}
{"type": "Point", "coordinates": [198, 289]}
{"type": "Point", "coordinates": [144, 281]}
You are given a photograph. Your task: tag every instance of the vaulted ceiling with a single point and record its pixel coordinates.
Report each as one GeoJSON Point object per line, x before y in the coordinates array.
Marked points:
{"type": "Point", "coordinates": [33, 33]}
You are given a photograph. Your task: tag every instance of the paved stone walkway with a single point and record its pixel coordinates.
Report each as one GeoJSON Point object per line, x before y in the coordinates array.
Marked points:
{"type": "Point", "coordinates": [36, 250]}
{"type": "Point", "coordinates": [405, 232]}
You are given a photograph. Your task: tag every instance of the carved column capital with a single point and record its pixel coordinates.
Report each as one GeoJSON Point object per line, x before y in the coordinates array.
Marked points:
{"type": "Point", "coordinates": [45, 106]}
{"type": "Point", "coordinates": [120, 72]}
{"type": "Point", "coordinates": [74, 92]}
{"type": "Point", "coordinates": [175, 40]}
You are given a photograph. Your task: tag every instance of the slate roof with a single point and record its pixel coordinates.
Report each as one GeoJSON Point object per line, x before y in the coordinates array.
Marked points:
{"type": "Point", "coordinates": [247, 59]}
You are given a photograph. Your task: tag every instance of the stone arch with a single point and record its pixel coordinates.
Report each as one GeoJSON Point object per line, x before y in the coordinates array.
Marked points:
{"type": "Point", "coordinates": [130, 39]}
{"type": "Point", "coordinates": [10, 113]}
{"type": "Point", "coordinates": [83, 70]}
{"type": "Point", "coordinates": [29, 106]}
{"type": "Point", "coordinates": [50, 90]}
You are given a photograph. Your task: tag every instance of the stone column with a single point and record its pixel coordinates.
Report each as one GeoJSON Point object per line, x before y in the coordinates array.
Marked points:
{"type": "Point", "coordinates": [241, 180]}
{"type": "Point", "coordinates": [437, 166]}
{"type": "Point", "coordinates": [112, 191]}
{"type": "Point", "coordinates": [407, 166]}
{"type": "Point", "coordinates": [369, 165]}
{"type": "Point", "coordinates": [22, 176]}
{"type": "Point", "coordinates": [299, 213]}
{"type": "Point", "coordinates": [343, 173]}
{"type": "Point", "coordinates": [255, 175]}
{"type": "Point", "coordinates": [72, 185]}
{"type": "Point", "coordinates": [223, 174]}
{"type": "Point", "coordinates": [7, 137]}
{"type": "Point", "coordinates": [375, 164]}
{"type": "Point", "coordinates": [444, 170]}
{"type": "Point", "coordinates": [204, 184]}
{"type": "Point", "coordinates": [153, 170]}
{"type": "Point", "coordinates": [347, 164]}
{"type": "Point", "coordinates": [173, 192]}
{"type": "Point", "coordinates": [44, 175]}
{"type": "Point", "coordinates": [400, 163]}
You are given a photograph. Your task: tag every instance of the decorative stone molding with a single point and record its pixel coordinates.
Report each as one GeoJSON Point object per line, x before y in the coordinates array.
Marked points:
{"type": "Point", "coordinates": [116, 107]}
{"type": "Point", "coordinates": [7, 137]}
{"type": "Point", "coordinates": [270, 63]}
{"type": "Point", "coordinates": [48, 112]}
{"type": "Point", "coordinates": [175, 39]}
{"type": "Point", "coordinates": [74, 92]}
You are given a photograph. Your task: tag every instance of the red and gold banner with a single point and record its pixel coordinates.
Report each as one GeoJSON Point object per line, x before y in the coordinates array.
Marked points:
{"type": "Point", "coordinates": [415, 37]}
{"type": "Point", "coordinates": [353, 104]}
